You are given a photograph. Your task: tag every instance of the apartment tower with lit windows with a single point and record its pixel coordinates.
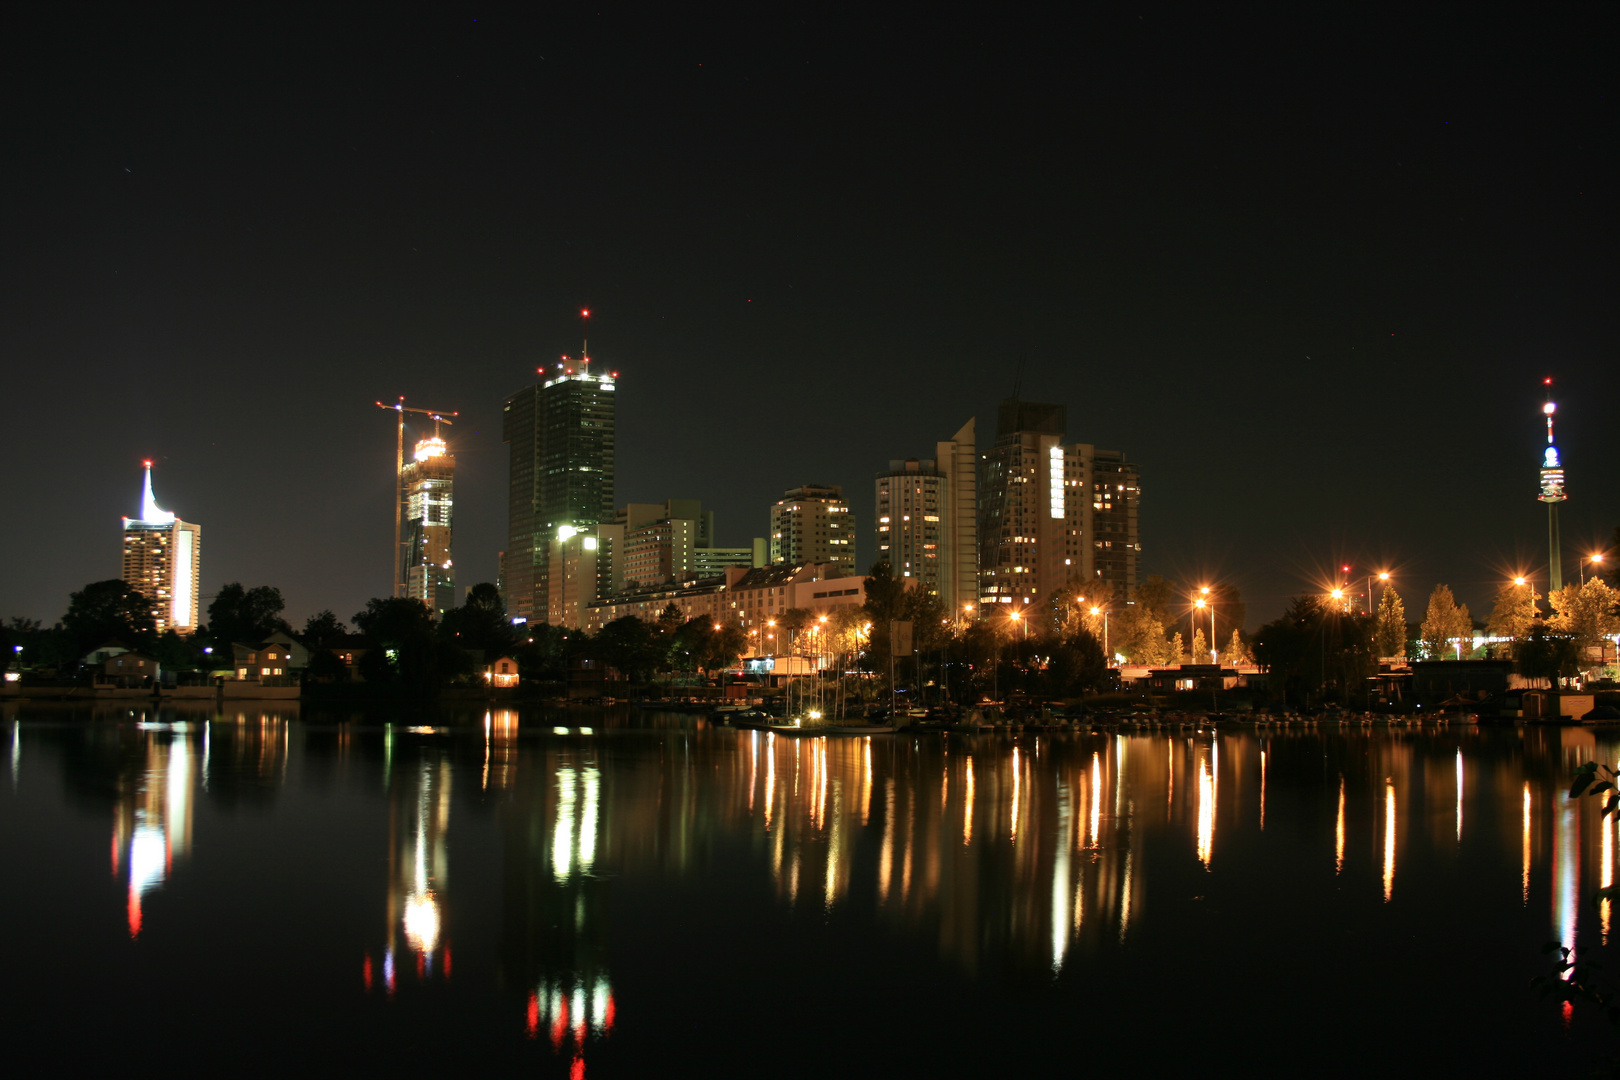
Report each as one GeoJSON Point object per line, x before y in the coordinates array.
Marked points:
{"type": "Point", "coordinates": [1052, 515]}
{"type": "Point", "coordinates": [560, 437]}
{"type": "Point", "coordinates": [162, 561]}
{"type": "Point", "coordinates": [927, 524]}
{"type": "Point", "coordinates": [813, 524]}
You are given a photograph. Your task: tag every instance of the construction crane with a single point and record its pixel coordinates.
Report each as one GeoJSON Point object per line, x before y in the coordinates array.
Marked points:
{"type": "Point", "coordinates": [439, 416]}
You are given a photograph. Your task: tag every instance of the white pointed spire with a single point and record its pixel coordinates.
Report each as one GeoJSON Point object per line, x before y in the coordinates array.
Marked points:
{"type": "Point", "coordinates": [150, 511]}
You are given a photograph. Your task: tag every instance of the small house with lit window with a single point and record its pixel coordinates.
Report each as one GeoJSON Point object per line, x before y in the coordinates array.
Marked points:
{"type": "Point", "coordinates": [501, 673]}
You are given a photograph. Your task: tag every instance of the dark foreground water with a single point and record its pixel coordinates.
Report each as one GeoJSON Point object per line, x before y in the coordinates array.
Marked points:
{"type": "Point", "coordinates": [583, 894]}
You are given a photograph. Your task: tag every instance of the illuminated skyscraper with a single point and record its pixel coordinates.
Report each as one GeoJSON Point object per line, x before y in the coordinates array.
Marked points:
{"type": "Point", "coordinates": [560, 434]}
{"type": "Point", "coordinates": [427, 484]}
{"type": "Point", "coordinates": [1052, 515]}
{"type": "Point", "coordinates": [162, 556]}
{"type": "Point", "coordinates": [1552, 493]}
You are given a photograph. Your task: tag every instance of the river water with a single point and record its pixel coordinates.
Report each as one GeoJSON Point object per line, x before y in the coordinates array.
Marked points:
{"type": "Point", "coordinates": [593, 893]}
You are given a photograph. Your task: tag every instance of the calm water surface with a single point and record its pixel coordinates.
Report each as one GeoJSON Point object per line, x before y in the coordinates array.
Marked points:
{"type": "Point", "coordinates": [593, 894]}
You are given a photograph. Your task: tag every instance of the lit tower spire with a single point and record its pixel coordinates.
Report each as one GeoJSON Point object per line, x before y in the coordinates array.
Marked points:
{"type": "Point", "coordinates": [1552, 493]}
{"type": "Point", "coordinates": [151, 513]}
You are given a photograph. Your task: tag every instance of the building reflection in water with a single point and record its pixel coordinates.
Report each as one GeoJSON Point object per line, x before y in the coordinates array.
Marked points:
{"type": "Point", "coordinates": [556, 924]}
{"type": "Point", "coordinates": [418, 875]}
{"type": "Point", "coordinates": [152, 818]}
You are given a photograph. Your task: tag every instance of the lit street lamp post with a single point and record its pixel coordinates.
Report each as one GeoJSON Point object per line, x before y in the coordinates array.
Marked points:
{"type": "Point", "coordinates": [1108, 657]}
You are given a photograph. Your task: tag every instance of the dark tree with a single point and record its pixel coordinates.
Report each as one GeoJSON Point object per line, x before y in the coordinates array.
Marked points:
{"type": "Point", "coordinates": [323, 630]}
{"type": "Point", "coordinates": [630, 645]}
{"type": "Point", "coordinates": [401, 644]}
{"type": "Point", "coordinates": [480, 624]}
{"type": "Point", "coordinates": [245, 616]}
{"type": "Point", "coordinates": [105, 611]}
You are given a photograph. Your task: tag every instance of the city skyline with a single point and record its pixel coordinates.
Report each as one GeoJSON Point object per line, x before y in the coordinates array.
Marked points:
{"type": "Point", "coordinates": [1311, 295]}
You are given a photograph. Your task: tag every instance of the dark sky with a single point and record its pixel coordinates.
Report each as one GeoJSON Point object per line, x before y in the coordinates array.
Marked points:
{"type": "Point", "coordinates": [1307, 267]}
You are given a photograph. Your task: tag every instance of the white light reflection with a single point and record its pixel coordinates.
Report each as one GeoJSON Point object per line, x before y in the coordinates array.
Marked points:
{"type": "Point", "coordinates": [562, 839]}
{"type": "Point", "coordinates": [1389, 839]}
{"type": "Point", "coordinates": [1338, 853]}
{"type": "Point", "coordinates": [1060, 884]}
{"type": "Point", "coordinates": [1606, 856]}
{"type": "Point", "coordinates": [1459, 794]}
{"type": "Point", "coordinates": [1525, 886]}
{"type": "Point", "coordinates": [967, 806]}
{"type": "Point", "coordinates": [1017, 783]}
{"type": "Point", "coordinates": [1206, 812]}
{"type": "Point", "coordinates": [1262, 791]}
{"type": "Point", "coordinates": [1096, 799]}
{"type": "Point", "coordinates": [1567, 874]}
{"type": "Point", "coordinates": [16, 751]}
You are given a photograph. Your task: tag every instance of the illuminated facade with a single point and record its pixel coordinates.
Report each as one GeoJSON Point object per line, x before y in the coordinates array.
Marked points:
{"type": "Point", "coordinates": [813, 524]}
{"type": "Point", "coordinates": [560, 435]}
{"type": "Point", "coordinates": [162, 560]}
{"type": "Point", "coordinates": [427, 484]}
{"type": "Point", "coordinates": [927, 525]}
{"type": "Point", "coordinates": [1552, 493]}
{"type": "Point", "coordinates": [1051, 514]}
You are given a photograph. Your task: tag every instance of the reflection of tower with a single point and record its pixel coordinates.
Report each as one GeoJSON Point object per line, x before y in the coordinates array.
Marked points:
{"type": "Point", "coordinates": [418, 872]}
{"type": "Point", "coordinates": [1552, 493]}
{"type": "Point", "coordinates": [556, 924]}
{"type": "Point", "coordinates": [161, 555]}
{"type": "Point", "coordinates": [152, 824]}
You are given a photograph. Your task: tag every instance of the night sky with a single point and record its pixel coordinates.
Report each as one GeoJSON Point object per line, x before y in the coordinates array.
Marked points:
{"type": "Point", "coordinates": [1308, 268]}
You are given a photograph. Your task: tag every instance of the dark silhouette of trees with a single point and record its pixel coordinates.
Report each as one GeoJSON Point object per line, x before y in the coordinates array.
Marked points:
{"type": "Point", "coordinates": [106, 611]}
{"type": "Point", "coordinates": [244, 616]}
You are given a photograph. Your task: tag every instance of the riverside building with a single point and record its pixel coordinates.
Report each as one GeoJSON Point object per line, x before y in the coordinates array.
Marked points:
{"type": "Point", "coordinates": [813, 524]}
{"type": "Point", "coordinates": [162, 561]}
{"type": "Point", "coordinates": [927, 527]}
{"type": "Point", "coordinates": [1052, 515]}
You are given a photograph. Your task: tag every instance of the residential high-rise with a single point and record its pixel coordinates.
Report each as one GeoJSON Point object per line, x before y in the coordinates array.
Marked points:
{"type": "Point", "coordinates": [560, 435]}
{"type": "Point", "coordinates": [1052, 515]}
{"type": "Point", "coordinates": [927, 519]}
{"type": "Point", "coordinates": [812, 524]}
{"type": "Point", "coordinates": [427, 484]}
{"type": "Point", "coordinates": [162, 560]}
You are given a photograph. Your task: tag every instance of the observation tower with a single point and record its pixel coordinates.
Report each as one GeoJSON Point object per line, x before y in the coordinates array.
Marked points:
{"type": "Point", "coordinates": [1552, 493]}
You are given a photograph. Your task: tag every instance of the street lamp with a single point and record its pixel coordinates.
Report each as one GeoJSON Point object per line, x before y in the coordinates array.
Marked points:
{"type": "Point", "coordinates": [1107, 656]}
{"type": "Point", "coordinates": [1594, 558]}
{"type": "Point", "coordinates": [1214, 647]}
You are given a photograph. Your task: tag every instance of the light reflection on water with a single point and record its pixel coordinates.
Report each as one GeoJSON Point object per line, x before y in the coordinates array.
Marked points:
{"type": "Point", "coordinates": [1041, 855]}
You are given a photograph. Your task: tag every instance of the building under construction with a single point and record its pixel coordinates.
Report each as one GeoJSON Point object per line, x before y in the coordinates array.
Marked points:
{"type": "Point", "coordinates": [424, 513]}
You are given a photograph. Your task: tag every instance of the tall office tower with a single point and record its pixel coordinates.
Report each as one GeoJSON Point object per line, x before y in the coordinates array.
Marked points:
{"type": "Point", "coordinates": [162, 560]}
{"type": "Point", "coordinates": [927, 524]}
{"type": "Point", "coordinates": [427, 485]}
{"type": "Point", "coordinates": [812, 524]}
{"type": "Point", "coordinates": [1052, 515]}
{"type": "Point", "coordinates": [560, 432]}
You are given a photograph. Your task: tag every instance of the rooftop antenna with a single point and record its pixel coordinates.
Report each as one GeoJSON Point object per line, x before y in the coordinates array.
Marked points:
{"type": "Point", "coordinates": [585, 344]}
{"type": "Point", "coordinates": [1018, 377]}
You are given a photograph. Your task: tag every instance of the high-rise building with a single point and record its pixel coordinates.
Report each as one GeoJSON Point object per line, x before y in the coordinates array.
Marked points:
{"type": "Point", "coordinates": [427, 486]}
{"type": "Point", "coordinates": [812, 524]}
{"type": "Point", "coordinates": [560, 434]}
{"type": "Point", "coordinates": [162, 560]}
{"type": "Point", "coordinates": [1052, 515]}
{"type": "Point", "coordinates": [927, 524]}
